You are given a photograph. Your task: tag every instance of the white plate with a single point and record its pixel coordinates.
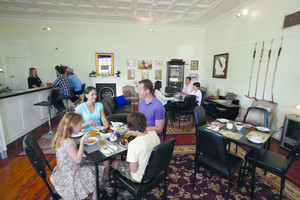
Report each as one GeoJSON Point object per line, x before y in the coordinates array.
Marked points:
{"type": "Point", "coordinates": [222, 120]}
{"type": "Point", "coordinates": [262, 129]}
{"type": "Point", "coordinates": [123, 145]}
{"type": "Point", "coordinates": [77, 135]}
{"type": "Point", "coordinates": [108, 150]}
{"type": "Point", "coordinates": [113, 139]}
{"type": "Point", "coordinates": [91, 138]}
{"type": "Point", "coordinates": [256, 140]}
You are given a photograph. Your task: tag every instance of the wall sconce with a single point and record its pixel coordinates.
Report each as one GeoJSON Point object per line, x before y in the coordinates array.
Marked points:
{"type": "Point", "coordinates": [153, 30]}
{"type": "Point", "coordinates": [298, 108]}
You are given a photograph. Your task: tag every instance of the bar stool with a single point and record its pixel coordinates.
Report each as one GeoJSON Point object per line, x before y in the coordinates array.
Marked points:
{"type": "Point", "coordinates": [65, 100]}
{"type": "Point", "coordinates": [53, 98]}
{"type": "Point", "coordinates": [81, 91]}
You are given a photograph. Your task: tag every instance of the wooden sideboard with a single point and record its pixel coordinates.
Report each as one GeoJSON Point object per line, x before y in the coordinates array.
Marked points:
{"type": "Point", "coordinates": [220, 109]}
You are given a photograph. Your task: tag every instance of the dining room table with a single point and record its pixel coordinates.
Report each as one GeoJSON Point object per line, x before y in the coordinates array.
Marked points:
{"type": "Point", "coordinates": [104, 149]}
{"type": "Point", "coordinates": [245, 137]}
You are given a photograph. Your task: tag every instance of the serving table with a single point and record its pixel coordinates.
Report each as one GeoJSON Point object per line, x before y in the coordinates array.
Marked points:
{"type": "Point", "coordinates": [220, 108]}
{"type": "Point", "coordinates": [241, 137]}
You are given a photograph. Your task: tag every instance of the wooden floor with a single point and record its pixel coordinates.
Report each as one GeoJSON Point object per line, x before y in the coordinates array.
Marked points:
{"type": "Point", "coordinates": [20, 181]}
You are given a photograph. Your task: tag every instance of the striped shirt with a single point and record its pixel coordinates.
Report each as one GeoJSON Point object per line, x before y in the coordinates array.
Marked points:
{"type": "Point", "coordinates": [64, 84]}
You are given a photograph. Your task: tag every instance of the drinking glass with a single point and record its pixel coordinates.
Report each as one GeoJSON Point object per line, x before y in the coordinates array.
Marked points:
{"type": "Point", "coordinates": [93, 132]}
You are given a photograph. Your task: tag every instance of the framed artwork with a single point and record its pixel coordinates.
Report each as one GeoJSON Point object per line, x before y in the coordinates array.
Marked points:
{"type": "Point", "coordinates": [158, 74]}
{"type": "Point", "coordinates": [130, 62]}
{"type": "Point", "coordinates": [220, 65]}
{"type": "Point", "coordinates": [159, 63]}
{"type": "Point", "coordinates": [130, 74]}
{"type": "Point", "coordinates": [145, 74]}
{"type": "Point", "coordinates": [145, 64]}
{"type": "Point", "coordinates": [194, 64]}
{"type": "Point", "coordinates": [194, 77]}
{"type": "Point", "coordinates": [104, 64]}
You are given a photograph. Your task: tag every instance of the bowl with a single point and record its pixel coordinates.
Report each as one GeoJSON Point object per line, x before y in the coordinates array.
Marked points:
{"type": "Point", "coordinates": [116, 125]}
{"type": "Point", "coordinates": [239, 126]}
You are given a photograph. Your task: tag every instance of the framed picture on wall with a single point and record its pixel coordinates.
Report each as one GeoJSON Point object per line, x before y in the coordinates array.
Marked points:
{"type": "Point", "coordinates": [194, 77]}
{"type": "Point", "coordinates": [145, 64]}
{"type": "Point", "coordinates": [104, 64]}
{"type": "Point", "coordinates": [159, 63]}
{"type": "Point", "coordinates": [130, 74]}
{"type": "Point", "coordinates": [194, 64]}
{"type": "Point", "coordinates": [220, 66]}
{"type": "Point", "coordinates": [130, 62]}
{"type": "Point", "coordinates": [145, 74]}
{"type": "Point", "coordinates": [158, 74]}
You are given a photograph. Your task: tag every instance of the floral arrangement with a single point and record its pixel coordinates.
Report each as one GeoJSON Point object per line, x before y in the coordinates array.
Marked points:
{"type": "Point", "coordinates": [230, 96]}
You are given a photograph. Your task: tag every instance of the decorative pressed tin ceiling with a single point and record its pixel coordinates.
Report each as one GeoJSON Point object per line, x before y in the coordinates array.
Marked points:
{"type": "Point", "coordinates": [164, 12]}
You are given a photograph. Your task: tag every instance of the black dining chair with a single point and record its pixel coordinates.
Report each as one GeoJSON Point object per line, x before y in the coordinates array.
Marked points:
{"type": "Point", "coordinates": [39, 161]}
{"type": "Point", "coordinates": [256, 116]}
{"type": "Point", "coordinates": [165, 127]}
{"type": "Point", "coordinates": [213, 156]}
{"type": "Point", "coordinates": [53, 99]}
{"type": "Point", "coordinates": [155, 172]}
{"type": "Point", "coordinates": [185, 108]}
{"type": "Point", "coordinates": [273, 162]}
{"type": "Point", "coordinates": [200, 120]}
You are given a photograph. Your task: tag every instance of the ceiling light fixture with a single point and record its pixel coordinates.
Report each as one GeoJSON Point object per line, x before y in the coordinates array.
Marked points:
{"type": "Point", "coordinates": [47, 28]}
{"type": "Point", "coordinates": [245, 12]}
{"type": "Point", "coordinates": [153, 30]}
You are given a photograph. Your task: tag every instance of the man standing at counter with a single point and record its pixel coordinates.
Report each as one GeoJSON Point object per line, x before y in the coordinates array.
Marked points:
{"type": "Point", "coordinates": [151, 107]}
{"type": "Point", "coordinates": [64, 84]}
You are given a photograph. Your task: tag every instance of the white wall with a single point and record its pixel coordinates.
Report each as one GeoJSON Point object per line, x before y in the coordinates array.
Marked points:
{"type": "Point", "coordinates": [77, 44]}
{"type": "Point", "coordinates": [238, 37]}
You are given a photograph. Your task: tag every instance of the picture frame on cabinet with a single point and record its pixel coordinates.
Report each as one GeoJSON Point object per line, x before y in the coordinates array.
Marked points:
{"type": "Point", "coordinates": [220, 65]}
{"type": "Point", "coordinates": [194, 64]}
{"type": "Point", "coordinates": [145, 64]}
{"type": "Point", "coordinates": [130, 62]}
{"type": "Point", "coordinates": [104, 64]}
{"type": "Point", "coordinates": [130, 74]}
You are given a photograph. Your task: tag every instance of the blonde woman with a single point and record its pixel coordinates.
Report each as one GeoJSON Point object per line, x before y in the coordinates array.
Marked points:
{"type": "Point", "coordinates": [33, 80]}
{"type": "Point", "coordinates": [72, 178]}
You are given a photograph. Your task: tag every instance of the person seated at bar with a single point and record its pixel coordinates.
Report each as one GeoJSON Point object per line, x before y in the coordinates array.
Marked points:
{"type": "Point", "coordinates": [139, 150]}
{"type": "Point", "coordinates": [196, 91]}
{"type": "Point", "coordinates": [93, 115]}
{"type": "Point", "coordinates": [188, 87]}
{"type": "Point", "coordinates": [166, 101]}
{"type": "Point", "coordinates": [34, 80]}
{"type": "Point", "coordinates": [76, 83]}
{"type": "Point", "coordinates": [151, 107]}
{"type": "Point", "coordinates": [64, 84]}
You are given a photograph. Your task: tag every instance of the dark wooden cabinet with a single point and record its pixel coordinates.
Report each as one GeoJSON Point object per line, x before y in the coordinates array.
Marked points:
{"type": "Point", "coordinates": [175, 74]}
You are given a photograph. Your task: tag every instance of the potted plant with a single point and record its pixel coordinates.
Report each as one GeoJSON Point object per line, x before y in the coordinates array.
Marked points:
{"type": "Point", "coordinates": [230, 96]}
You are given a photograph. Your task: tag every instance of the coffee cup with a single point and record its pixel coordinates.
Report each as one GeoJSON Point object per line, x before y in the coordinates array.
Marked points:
{"type": "Point", "coordinates": [229, 125]}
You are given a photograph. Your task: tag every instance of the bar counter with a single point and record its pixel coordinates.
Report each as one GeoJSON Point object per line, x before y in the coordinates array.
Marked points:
{"type": "Point", "coordinates": [18, 116]}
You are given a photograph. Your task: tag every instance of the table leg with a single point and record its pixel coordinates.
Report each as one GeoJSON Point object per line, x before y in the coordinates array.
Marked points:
{"type": "Point", "coordinates": [97, 182]}
{"type": "Point", "coordinates": [253, 173]}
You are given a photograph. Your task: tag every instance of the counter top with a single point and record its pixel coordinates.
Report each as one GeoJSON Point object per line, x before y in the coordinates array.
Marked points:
{"type": "Point", "coordinates": [20, 92]}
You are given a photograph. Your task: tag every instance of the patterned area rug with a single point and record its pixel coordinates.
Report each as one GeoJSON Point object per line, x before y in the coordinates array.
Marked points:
{"type": "Point", "coordinates": [186, 127]}
{"type": "Point", "coordinates": [45, 145]}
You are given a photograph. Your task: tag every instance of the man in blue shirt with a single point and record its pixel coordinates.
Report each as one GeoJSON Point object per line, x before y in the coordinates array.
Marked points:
{"type": "Point", "coordinates": [75, 83]}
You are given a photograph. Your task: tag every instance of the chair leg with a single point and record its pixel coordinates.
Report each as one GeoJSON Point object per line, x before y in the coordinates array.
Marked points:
{"type": "Point", "coordinates": [196, 166]}
{"type": "Point", "coordinates": [229, 187]}
{"type": "Point", "coordinates": [239, 181]}
{"type": "Point", "coordinates": [165, 188]}
{"type": "Point", "coordinates": [282, 186]}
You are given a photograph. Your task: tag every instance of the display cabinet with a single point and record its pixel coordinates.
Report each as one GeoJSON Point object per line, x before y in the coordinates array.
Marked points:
{"type": "Point", "coordinates": [175, 74]}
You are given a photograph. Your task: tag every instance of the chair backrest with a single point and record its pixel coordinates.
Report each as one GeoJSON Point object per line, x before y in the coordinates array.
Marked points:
{"type": "Point", "coordinates": [256, 116]}
{"type": "Point", "coordinates": [165, 126]}
{"type": "Point", "coordinates": [129, 91]}
{"type": "Point", "coordinates": [295, 153]}
{"type": "Point", "coordinates": [211, 144]}
{"type": "Point", "coordinates": [169, 90]}
{"type": "Point", "coordinates": [199, 116]}
{"type": "Point", "coordinates": [72, 89]}
{"type": "Point", "coordinates": [159, 160]}
{"type": "Point", "coordinates": [37, 160]}
{"type": "Point", "coordinates": [54, 96]}
{"type": "Point", "coordinates": [189, 102]}
{"type": "Point", "coordinates": [269, 106]}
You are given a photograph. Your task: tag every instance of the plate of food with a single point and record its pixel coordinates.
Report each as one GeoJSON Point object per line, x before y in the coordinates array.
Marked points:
{"type": "Point", "coordinates": [123, 142]}
{"type": "Point", "coordinates": [256, 140]}
{"type": "Point", "coordinates": [262, 129]}
{"type": "Point", "coordinates": [91, 141]}
{"type": "Point", "coordinates": [222, 120]}
{"type": "Point", "coordinates": [79, 134]}
{"type": "Point", "coordinates": [113, 138]}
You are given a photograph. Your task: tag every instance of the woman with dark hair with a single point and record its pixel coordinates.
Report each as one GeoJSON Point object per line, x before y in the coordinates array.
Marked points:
{"type": "Point", "coordinates": [161, 97]}
{"type": "Point", "coordinates": [92, 113]}
{"type": "Point", "coordinates": [33, 80]}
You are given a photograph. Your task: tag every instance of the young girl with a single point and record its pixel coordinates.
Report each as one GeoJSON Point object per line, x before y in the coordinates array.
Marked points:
{"type": "Point", "coordinates": [72, 178]}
